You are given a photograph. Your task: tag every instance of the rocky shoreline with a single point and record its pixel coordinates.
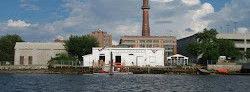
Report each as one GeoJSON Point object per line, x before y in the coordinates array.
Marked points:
{"type": "Point", "coordinates": [86, 70]}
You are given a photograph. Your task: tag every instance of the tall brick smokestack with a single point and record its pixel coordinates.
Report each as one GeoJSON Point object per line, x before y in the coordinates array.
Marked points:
{"type": "Point", "coordinates": [145, 23]}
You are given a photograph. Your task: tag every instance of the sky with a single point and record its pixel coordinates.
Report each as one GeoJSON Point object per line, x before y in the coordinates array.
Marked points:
{"type": "Point", "coordinates": [46, 20]}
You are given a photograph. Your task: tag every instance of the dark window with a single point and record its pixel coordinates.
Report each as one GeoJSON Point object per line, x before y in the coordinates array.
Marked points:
{"type": "Point", "coordinates": [156, 41]}
{"type": "Point", "coordinates": [21, 60]}
{"type": "Point", "coordinates": [129, 41]}
{"type": "Point", "coordinates": [30, 60]}
{"type": "Point", "coordinates": [142, 41]}
{"type": "Point", "coordinates": [149, 41]}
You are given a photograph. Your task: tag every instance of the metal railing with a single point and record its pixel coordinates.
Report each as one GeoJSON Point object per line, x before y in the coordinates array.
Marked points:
{"type": "Point", "coordinates": [214, 62]}
{"type": "Point", "coordinates": [68, 63]}
{"type": "Point", "coordinates": [6, 63]}
{"type": "Point", "coordinates": [181, 62]}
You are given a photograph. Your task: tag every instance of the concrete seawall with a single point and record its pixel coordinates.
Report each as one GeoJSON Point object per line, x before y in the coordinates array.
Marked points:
{"type": "Point", "coordinates": [89, 70]}
{"type": "Point", "coordinates": [230, 68]}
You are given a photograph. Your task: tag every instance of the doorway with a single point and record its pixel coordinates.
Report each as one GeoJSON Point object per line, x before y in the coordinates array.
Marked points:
{"type": "Point", "coordinates": [102, 58]}
{"type": "Point", "coordinates": [139, 61]}
{"type": "Point", "coordinates": [118, 60]}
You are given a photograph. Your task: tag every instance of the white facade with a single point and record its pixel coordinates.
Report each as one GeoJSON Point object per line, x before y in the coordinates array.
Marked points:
{"type": "Point", "coordinates": [127, 56]}
{"type": "Point", "coordinates": [177, 59]}
{"type": "Point", "coordinates": [36, 53]}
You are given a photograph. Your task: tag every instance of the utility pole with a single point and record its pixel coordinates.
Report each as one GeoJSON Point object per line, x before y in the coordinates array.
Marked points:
{"type": "Point", "coordinates": [111, 64]}
{"type": "Point", "coordinates": [227, 28]}
{"type": "Point", "coordinates": [221, 31]}
{"type": "Point", "coordinates": [235, 26]}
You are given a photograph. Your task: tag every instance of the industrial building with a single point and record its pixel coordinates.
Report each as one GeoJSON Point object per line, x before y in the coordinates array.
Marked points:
{"type": "Point", "coordinates": [242, 42]}
{"type": "Point", "coordinates": [27, 53]}
{"type": "Point", "coordinates": [126, 56]}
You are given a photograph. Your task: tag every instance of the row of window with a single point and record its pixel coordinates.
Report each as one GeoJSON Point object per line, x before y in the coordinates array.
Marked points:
{"type": "Point", "coordinates": [147, 41]}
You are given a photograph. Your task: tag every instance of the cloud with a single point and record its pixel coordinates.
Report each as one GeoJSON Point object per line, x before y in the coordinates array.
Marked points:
{"type": "Point", "coordinates": [180, 18]}
{"type": "Point", "coordinates": [115, 42]}
{"type": "Point", "coordinates": [23, 1]}
{"type": "Point", "coordinates": [163, 0]}
{"type": "Point", "coordinates": [18, 23]}
{"type": "Point", "coordinates": [30, 7]}
{"type": "Point", "coordinates": [236, 11]}
{"type": "Point", "coordinates": [242, 30]}
{"type": "Point", "coordinates": [191, 2]}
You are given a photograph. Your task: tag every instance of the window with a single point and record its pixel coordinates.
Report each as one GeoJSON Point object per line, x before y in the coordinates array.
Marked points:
{"type": "Point", "coordinates": [169, 50]}
{"type": "Point", "coordinates": [169, 41]}
{"type": "Point", "coordinates": [30, 60]}
{"type": "Point", "coordinates": [149, 41]}
{"type": "Point", "coordinates": [238, 41]}
{"type": "Point", "coordinates": [130, 46]}
{"type": "Point", "coordinates": [248, 41]}
{"type": "Point", "coordinates": [149, 46]}
{"type": "Point", "coordinates": [142, 41]}
{"type": "Point", "coordinates": [21, 60]}
{"type": "Point", "coordinates": [169, 53]}
{"type": "Point", "coordinates": [169, 47]}
{"type": "Point", "coordinates": [129, 41]}
{"type": "Point", "coordinates": [156, 41]}
{"type": "Point", "coordinates": [142, 46]}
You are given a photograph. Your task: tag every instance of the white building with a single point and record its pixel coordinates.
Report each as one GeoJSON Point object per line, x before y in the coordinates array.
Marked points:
{"type": "Point", "coordinates": [177, 59]}
{"type": "Point", "coordinates": [127, 56]}
{"type": "Point", "coordinates": [36, 53]}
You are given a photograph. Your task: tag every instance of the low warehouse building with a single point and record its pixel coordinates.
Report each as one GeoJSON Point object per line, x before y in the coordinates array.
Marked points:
{"type": "Point", "coordinates": [36, 53]}
{"type": "Point", "coordinates": [126, 56]}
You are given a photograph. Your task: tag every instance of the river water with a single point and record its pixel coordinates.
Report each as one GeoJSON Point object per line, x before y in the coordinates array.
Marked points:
{"type": "Point", "coordinates": [146, 83]}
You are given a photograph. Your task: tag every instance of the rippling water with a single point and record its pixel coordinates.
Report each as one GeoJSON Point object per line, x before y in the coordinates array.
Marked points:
{"type": "Point", "coordinates": [154, 83]}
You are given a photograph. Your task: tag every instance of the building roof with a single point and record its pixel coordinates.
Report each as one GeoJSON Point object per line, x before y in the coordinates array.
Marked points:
{"type": "Point", "coordinates": [233, 35]}
{"type": "Point", "coordinates": [148, 37]}
{"type": "Point", "coordinates": [29, 45]}
{"type": "Point", "coordinates": [177, 56]}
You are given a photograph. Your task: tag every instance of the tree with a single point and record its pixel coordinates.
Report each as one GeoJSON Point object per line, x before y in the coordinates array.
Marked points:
{"type": "Point", "coordinates": [79, 46]}
{"type": "Point", "coordinates": [64, 56]}
{"type": "Point", "coordinates": [211, 48]}
{"type": "Point", "coordinates": [227, 48]}
{"type": "Point", "coordinates": [194, 48]}
{"type": "Point", "coordinates": [7, 44]}
{"type": "Point", "coordinates": [248, 54]}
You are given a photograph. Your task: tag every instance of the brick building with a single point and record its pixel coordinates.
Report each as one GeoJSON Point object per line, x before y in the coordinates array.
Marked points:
{"type": "Point", "coordinates": [103, 38]}
{"type": "Point", "coordinates": [167, 42]}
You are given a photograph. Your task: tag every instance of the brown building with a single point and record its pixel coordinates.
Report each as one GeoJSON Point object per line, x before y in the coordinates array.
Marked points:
{"type": "Point", "coordinates": [60, 41]}
{"type": "Point", "coordinates": [147, 41]}
{"type": "Point", "coordinates": [103, 38]}
{"type": "Point", "coordinates": [167, 42]}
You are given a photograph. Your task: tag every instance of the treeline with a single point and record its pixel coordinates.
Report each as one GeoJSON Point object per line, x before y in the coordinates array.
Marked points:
{"type": "Point", "coordinates": [210, 48]}
{"type": "Point", "coordinates": [7, 44]}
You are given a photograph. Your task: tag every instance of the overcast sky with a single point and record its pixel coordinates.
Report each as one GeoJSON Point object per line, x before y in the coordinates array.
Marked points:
{"type": "Point", "coordinates": [46, 20]}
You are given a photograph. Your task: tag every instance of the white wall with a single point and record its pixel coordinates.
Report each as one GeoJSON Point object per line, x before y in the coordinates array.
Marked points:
{"type": "Point", "coordinates": [139, 56]}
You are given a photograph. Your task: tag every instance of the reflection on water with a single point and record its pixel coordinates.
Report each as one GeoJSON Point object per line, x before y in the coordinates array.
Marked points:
{"type": "Point", "coordinates": [155, 83]}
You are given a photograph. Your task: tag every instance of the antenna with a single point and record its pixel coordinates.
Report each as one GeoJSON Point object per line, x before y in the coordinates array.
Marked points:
{"type": "Point", "coordinates": [227, 28]}
{"type": "Point", "coordinates": [221, 31]}
{"type": "Point", "coordinates": [235, 26]}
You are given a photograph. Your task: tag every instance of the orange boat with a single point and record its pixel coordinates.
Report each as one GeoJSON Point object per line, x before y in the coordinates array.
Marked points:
{"type": "Point", "coordinates": [223, 71]}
